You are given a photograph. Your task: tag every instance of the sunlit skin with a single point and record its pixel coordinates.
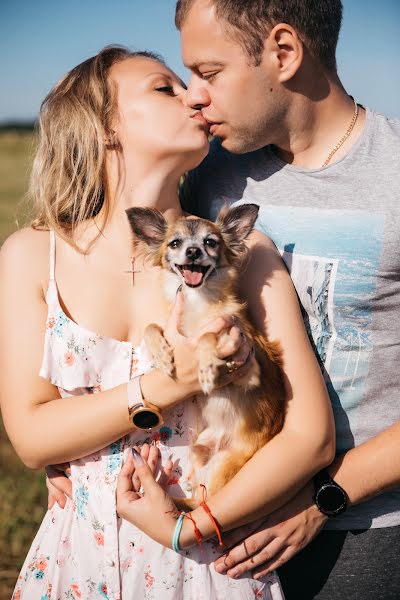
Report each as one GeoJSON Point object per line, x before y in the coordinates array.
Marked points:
{"type": "Point", "coordinates": [153, 116]}
{"type": "Point", "coordinates": [156, 137]}
{"type": "Point", "coordinates": [288, 100]}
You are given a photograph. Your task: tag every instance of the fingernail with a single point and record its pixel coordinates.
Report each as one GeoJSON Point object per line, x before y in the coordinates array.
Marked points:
{"type": "Point", "coordinates": [179, 289]}
{"type": "Point", "coordinates": [220, 568]}
{"type": "Point", "coordinates": [233, 574]}
{"type": "Point", "coordinates": [137, 458]}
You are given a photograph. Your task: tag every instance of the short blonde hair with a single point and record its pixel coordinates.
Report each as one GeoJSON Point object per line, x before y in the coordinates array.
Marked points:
{"type": "Point", "coordinates": [67, 182]}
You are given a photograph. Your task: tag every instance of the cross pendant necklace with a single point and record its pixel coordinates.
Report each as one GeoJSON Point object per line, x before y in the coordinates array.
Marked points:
{"type": "Point", "coordinates": [132, 269]}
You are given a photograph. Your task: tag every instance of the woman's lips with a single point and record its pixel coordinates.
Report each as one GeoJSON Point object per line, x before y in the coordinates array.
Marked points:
{"type": "Point", "coordinates": [199, 117]}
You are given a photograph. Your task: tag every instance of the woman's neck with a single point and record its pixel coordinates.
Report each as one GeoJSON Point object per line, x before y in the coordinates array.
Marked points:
{"type": "Point", "coordinates": [155, 187]}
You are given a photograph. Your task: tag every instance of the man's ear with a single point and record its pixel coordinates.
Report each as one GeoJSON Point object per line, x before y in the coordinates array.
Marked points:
{"type": "Point", "coordinates": [287, 46]}
{"type": "Point", "coordinates": [148, 225]}
{"type": "Point", "coordinates": [237, 223]}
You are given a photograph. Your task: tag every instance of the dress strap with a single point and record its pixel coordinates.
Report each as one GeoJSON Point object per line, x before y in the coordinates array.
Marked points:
{"type": "Point", "coordinates": [52, 254]}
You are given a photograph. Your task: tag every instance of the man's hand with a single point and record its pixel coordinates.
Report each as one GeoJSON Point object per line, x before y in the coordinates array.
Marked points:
{"type": "Point", "coordinates": [58, 485]}
{"type": "Point", "coordinates": [277, 539]}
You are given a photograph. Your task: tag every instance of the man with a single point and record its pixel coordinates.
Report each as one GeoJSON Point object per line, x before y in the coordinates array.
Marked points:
{"type": "Point", "coordinates": [325, 172]}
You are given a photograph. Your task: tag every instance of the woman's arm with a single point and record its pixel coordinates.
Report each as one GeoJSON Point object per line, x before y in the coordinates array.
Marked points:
{"type": "Point", "coordinates": [44, 428]}
{"type": "Point", "coordinates": [306, 443]}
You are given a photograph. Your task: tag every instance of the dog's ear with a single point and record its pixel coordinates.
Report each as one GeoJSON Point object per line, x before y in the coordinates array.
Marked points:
{"type": "Point", "coordinates": [148, 225]}
{"type": "Point", "coordinates": [237, 223]}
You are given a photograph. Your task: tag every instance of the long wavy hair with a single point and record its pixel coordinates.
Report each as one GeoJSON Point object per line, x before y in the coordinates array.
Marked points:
{"type": "Point", "coordinates": [68, 183]}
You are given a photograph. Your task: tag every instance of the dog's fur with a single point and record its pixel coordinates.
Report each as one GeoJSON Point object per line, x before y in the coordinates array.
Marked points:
{"type": "Point", "coordinates": [242, 416]}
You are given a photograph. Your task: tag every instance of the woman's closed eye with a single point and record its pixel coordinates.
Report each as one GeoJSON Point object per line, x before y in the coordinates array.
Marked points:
{"type": "Point", "coordinates": [166, 89]}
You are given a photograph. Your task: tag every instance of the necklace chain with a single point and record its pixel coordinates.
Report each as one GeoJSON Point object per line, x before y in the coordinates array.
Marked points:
{"type": "Point", "coordinates": [346, 135]}
{"type": "Point", "coordinates": [132, 269]}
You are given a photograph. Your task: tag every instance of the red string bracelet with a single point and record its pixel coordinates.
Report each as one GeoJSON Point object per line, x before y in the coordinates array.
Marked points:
{"type": "Point", "coordinates": [205, 506]}
{"type": "Point", "coordinates": [197, 532]}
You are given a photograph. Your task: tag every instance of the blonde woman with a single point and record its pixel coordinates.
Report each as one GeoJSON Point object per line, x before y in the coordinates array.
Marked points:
{"type": "Point", "coordinates": [114, 133]}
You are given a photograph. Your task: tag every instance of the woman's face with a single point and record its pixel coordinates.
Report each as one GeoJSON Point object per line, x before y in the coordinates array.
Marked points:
{"type": "Point", "coordinates": [152, 116]}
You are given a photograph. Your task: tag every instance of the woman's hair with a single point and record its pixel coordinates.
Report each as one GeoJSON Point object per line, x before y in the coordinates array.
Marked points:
{"type": "Point", "coordinates": [68, 176]}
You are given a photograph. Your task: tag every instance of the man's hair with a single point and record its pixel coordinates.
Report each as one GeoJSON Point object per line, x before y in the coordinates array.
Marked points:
{"type": "Point", "coordinates": [317, 23]}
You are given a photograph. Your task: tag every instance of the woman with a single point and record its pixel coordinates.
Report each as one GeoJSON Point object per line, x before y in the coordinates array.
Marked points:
{"type": "Point", "coordinates": [115, 133]}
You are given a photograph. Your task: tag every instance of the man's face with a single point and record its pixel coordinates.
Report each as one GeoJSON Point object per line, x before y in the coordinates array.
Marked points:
{"type": "Point", "coordinates": [236, 96]}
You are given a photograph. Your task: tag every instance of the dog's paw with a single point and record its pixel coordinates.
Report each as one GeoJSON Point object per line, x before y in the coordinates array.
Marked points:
{"type": "Point", "coordinates": [208, 374]}
{"type": "Point", "coordinates": [161, 352]}
{"type": "Point", "coordinates": [164, 359]}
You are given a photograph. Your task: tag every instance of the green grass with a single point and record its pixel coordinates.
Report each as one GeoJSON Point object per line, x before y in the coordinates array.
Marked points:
{"type": "Point", "coordinates": [23, 497]}
{"type": "Point", "coordinates": [16, 152]}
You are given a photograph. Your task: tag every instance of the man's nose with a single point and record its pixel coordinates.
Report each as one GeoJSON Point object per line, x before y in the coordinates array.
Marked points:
{"type": "Point", "coordinates": [197, 95]}
{"type": "Point", "coordinates": [192, 252]}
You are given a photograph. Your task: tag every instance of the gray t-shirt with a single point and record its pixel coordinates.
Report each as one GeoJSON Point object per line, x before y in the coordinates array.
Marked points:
{"type": "Point", "coordinates": [338, 230]}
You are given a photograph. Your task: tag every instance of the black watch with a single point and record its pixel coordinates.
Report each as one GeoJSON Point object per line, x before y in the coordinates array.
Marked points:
{"type": "Point", "coordinates": [330, 498]}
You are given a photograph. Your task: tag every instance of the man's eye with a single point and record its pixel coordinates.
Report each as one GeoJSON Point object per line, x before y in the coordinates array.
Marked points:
{"type": "Point", "coordinates": [175, 244]}
{"type": "Point", "coordinates": [210, 243]}
{"type": "Point", "coordinates": [209, 76]}
{"type": "Point", "coordinates": [166, 89]}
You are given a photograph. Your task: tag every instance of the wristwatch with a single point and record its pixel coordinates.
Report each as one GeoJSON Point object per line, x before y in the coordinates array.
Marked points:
{"type": "Point", "coordinates": [330, 497]}
{"type": "Point", "coordinates": [142, 414]}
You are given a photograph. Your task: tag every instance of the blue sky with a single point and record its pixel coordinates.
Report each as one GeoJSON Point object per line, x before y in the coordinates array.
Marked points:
{"type": "Point", "coordinates": [40, 40]}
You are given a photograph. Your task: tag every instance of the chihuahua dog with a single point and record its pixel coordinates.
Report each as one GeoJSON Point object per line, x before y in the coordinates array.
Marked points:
{"type": "Point", "coordinates": [204, 259]}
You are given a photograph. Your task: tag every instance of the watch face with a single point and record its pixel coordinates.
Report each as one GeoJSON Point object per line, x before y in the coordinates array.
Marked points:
{"type": "Point", "coordinates": [146, 419]}
{"type": "Point", "coordinates": [331, 499]}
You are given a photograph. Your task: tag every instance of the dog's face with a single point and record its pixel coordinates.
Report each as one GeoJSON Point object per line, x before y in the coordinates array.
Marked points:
{"type": "Point", "coordinates": [193, 249]}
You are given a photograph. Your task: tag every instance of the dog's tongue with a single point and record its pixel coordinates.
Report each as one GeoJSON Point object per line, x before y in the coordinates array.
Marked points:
{"type": "Point", "coordinates": [192, 277]}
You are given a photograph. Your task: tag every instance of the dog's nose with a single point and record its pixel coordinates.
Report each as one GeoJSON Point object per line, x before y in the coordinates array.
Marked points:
{"type": "Point", "coordinates": [192, 252]}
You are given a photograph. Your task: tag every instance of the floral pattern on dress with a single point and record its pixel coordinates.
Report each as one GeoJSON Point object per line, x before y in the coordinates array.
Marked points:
{"type": "Point", "coordinates": [85, 551]}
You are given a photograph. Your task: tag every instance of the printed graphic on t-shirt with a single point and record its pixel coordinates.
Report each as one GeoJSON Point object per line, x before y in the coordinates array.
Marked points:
{"type": "Point", "coordinates": [333, 258]}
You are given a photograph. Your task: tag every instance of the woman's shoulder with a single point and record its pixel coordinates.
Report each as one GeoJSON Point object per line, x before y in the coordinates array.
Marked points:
{"type": "Point", "coordinates": [24, 239]}
{"type": "Point", "coordinates": [26, 252]}
{"type": "Point", "coordinates": [257, 238]}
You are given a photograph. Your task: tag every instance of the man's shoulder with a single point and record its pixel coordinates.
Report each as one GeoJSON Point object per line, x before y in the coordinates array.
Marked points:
{"type": "Point", "coordinates": [386, 130]}
{"type": "Point", "coordinates": [222, 175]}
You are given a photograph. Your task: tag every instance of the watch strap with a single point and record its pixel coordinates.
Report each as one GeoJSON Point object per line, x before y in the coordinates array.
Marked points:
{"type": "Point", "coordinates": [135, 396]}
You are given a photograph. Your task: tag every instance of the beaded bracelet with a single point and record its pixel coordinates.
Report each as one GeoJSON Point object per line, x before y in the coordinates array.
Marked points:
{"type": "Point", "coordinates": [177, 533]}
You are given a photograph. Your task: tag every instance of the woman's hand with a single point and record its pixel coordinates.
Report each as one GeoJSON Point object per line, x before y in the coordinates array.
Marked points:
{"type": "Point", "coordinates": [153, 510]}
{"type": "Point", "coordinates": [59, 485]}
{"type": "Point", "coordinates": [235, 348]}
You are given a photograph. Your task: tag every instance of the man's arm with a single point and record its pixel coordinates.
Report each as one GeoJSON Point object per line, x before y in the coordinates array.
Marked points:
{"type": "Point", "coordinates": [364, 472]}
{"type": "Point", "coordinates": [370, 469]}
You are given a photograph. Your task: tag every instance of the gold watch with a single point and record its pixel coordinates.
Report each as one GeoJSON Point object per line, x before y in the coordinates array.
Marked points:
{"type": "Point", "coordinates": [142, 414]}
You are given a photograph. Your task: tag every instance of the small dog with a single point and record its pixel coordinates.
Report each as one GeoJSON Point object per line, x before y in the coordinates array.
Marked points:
{"type": "Point", "coordinates": [205, 258]}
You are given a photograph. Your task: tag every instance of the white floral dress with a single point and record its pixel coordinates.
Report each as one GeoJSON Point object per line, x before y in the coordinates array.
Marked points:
{"type": "Point", "coordinates": [85, 551]}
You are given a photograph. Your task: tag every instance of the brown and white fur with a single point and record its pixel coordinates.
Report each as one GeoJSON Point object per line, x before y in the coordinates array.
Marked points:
{"type": "Point", "coordinates": [204, 258]}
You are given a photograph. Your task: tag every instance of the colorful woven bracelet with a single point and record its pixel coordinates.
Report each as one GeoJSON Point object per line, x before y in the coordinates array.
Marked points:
{"type": "Point", "coordinates": [177, 533]}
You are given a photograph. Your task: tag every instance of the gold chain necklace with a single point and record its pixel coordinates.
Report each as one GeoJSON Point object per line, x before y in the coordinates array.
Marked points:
{"type": "Point", "coordinates": [346, 135]}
